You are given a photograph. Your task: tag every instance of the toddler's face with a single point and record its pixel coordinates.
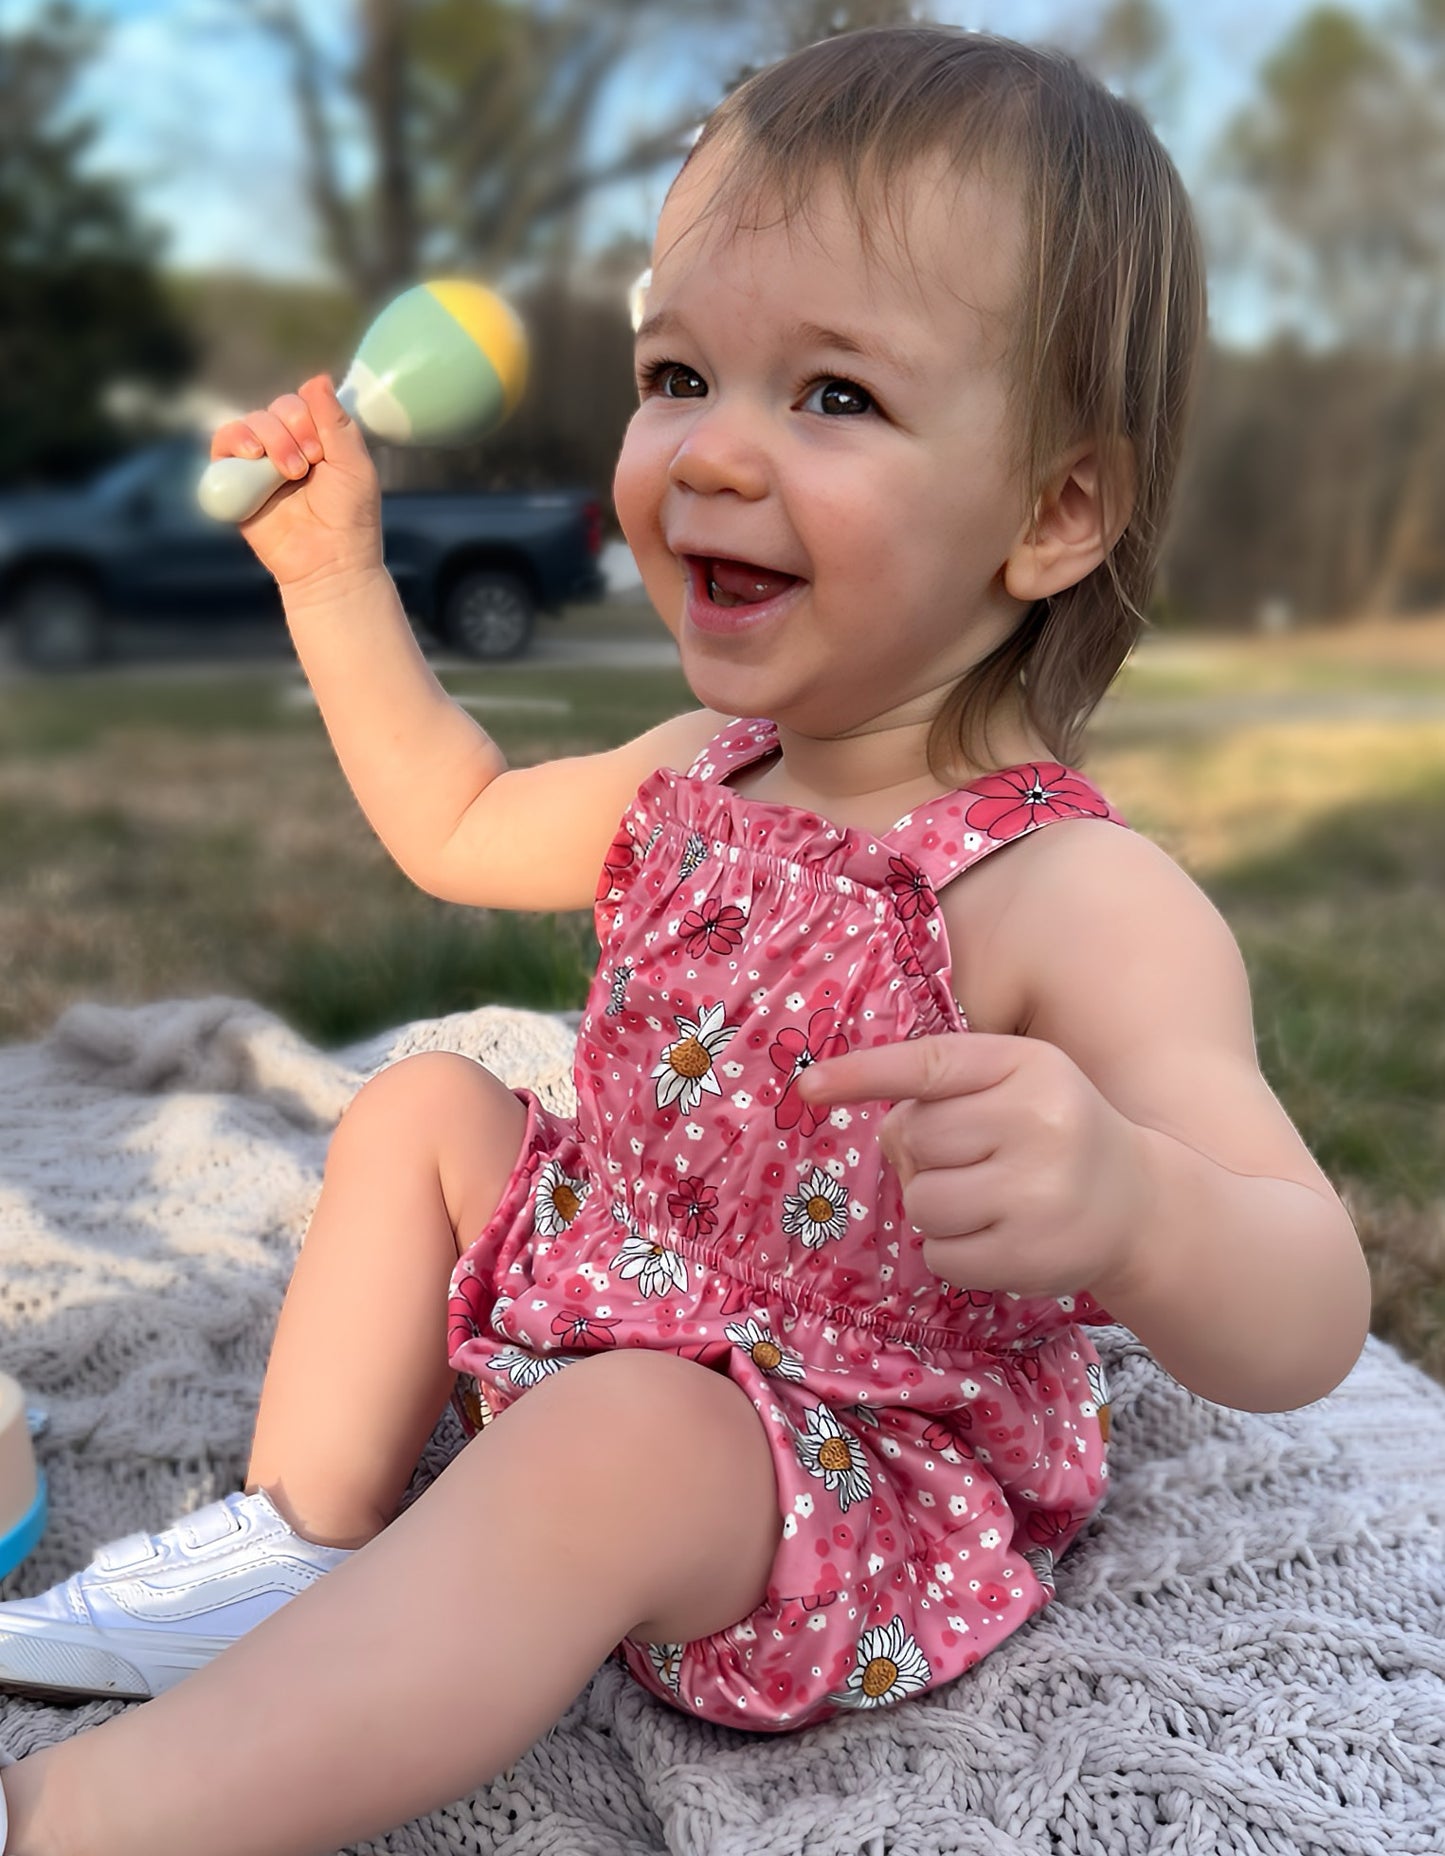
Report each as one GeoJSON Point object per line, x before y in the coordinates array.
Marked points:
{"type": "Point", "coordinates": [820, 483]}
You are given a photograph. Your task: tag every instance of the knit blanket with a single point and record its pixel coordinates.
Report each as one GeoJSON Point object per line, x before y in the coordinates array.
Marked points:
{"type": "Point", "coordinates": [1247, 1651]}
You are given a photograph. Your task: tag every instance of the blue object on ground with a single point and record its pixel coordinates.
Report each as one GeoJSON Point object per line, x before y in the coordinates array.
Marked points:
{"type": "Point", "coordinates": [18, 1542]}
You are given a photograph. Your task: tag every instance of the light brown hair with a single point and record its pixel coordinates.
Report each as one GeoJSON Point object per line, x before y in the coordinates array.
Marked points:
{"type": "Point", "coordinates": [1110, 315]}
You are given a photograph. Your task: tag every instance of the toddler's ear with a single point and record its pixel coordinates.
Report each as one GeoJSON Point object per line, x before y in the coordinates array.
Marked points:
{"type": "Point", "coordinates": [1078, 516]}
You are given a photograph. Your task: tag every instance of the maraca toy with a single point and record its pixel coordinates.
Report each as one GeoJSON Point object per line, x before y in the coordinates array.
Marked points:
{"type": "Point", "coordinates": [443, 363]}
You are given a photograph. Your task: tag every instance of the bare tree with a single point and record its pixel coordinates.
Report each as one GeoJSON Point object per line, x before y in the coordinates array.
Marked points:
{"type": "Point", "coordinates": [479, 121]}
{"type": "Point", "coordinates": [1342, 153]}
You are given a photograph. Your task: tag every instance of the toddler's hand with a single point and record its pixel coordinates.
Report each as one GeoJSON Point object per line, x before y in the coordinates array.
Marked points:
{"type": "Point", "coordinates": [325, 523]}
{"type": "Point", "coordinates": [1018, 1172]}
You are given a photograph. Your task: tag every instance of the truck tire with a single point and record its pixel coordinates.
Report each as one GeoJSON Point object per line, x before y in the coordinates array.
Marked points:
{"type": "Point", "coordinates": [488, 613]}
{"type": "Point", "coordinates": [59, 621]}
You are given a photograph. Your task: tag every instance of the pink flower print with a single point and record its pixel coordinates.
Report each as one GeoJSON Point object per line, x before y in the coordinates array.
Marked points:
{"type": "Point", "coordinates": [971, 1298]}
{"type": "Point", "coordinates": [616, 864]}
{"type": "Point", "coordinates": [1015, 801]}
{"type": "Point", "coordinates": [583, 1331]}
{"type": "Point", "coordinates": [692, 1207]}
{"type": "Point", "coordinates": [1048, 1529]}
{"type": "Point", "coordinates": [469, 1308]}
{"type": "Point", "coordinates": [993, 1596]}
{"type": "Point", "coordinates": [911, 889]}
{"type": "Point", "coordinates": [904, 954]}
{"type": "Point", "coordinates": [715, 928]}
{"type": "Point", "coordinates": [792, 1052]}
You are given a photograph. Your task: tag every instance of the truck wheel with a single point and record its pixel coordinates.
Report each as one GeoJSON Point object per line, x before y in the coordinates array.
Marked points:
{"type": "Point", "coordinates": [59, 622]}
{"type": "Point", "coordinates": [489, 613]}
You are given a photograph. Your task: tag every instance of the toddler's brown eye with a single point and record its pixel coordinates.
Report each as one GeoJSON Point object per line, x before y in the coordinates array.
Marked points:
{"type": "Point", "coordinates": [680, 383]}
{"type": "Point", "coordinates": [837, 397]}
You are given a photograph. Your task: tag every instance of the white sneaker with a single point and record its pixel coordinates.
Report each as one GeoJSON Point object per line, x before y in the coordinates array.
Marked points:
{"type": "Point", "coordinates": [152, 1607]}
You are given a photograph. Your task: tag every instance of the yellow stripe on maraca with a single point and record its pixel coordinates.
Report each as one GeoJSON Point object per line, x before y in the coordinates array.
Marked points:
{"type": "Point", "coordinates": [494, 326]}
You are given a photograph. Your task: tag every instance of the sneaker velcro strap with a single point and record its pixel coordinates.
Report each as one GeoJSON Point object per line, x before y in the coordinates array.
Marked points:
{"type": "Point", "coordinates": [207, 1527]}
{"type": "Point", "coordinates": [134, 1550]}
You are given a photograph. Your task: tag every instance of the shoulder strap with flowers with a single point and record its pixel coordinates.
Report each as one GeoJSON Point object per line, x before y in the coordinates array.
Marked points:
{"type": "Point", "coordinates": [950, 834]}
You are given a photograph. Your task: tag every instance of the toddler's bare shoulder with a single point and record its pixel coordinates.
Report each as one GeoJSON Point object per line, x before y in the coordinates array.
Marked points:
{"type": "Point", "coordinates": [1081, 903]}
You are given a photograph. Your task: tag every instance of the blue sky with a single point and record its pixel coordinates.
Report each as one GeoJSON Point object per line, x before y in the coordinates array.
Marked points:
{"type": "Point", "coordinates": [198, 116]}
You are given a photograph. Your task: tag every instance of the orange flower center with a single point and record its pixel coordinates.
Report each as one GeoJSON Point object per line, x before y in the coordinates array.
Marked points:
{"type": "Point", "coordinates": [879, 1676]}
{"type": "Point", "coordinates": [565, 1203]}
{"type": "Point", "coordinates": [820, 1210]}
{"type": "Point", "coordinates": [689, 1059]}
{"type": "Point", "coordinates": [835, 1454]}
{"type": "Point", "coordinates": [767, 1354]}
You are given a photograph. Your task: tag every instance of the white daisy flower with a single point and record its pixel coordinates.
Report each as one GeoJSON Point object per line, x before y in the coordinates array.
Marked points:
{"type": "Point", "coordinates": [522, 1368]}
{"type": "Point", "coordinates": [557, 1199]}
{"type": "Point", "coordinates": [830, 1452]}
{"type": "Point", "coordinates": [758, 1342]}
{"type": "Point", "coordinates": [666, 1660]}
{"type": "Point", "coordinates": [889, 1666]}
{"type": "Point", "coordinates": [819, 1211]}
{"type": "Point", "coordinates": [657, 1270]}
{"type": "Point", "coordinates": [686, 1069]}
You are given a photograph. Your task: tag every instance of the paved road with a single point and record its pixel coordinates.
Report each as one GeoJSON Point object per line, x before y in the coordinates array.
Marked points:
{"type": "Point", "coordinates": [192, 651]}
{"type": "Point", "coordinates": [186, 651]}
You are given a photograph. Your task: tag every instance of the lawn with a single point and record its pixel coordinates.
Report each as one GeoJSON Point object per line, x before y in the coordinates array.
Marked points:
{"type": "Point", "coordinates": [168, 834]}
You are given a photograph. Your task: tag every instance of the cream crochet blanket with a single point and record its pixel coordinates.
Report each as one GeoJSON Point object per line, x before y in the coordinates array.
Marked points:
{"type": "Point", "coordinates": [1247, 1651]}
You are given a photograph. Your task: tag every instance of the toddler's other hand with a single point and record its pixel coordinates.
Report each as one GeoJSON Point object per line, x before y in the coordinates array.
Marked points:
{"type": "Point", "coordinates": [1019, 1173]}
{"type": "Point", "coordinates": [324, 524]}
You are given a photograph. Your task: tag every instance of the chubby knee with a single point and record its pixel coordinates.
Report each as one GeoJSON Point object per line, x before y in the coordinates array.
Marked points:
{"type": "Point", "coordinates": [427, 1081]}
{"type": "Point", "coordinates": [430, 1098]}
{"type": "Point", "coordinates": [445, 1117]}
{"type": "Point", "coordinates": [675, 1452]}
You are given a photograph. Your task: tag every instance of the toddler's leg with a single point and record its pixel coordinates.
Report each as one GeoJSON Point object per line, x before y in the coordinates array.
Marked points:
{"type": "Point", "coordinates": [632, 1494]}
{"type": "Point", "coordinates": [358, 1373]}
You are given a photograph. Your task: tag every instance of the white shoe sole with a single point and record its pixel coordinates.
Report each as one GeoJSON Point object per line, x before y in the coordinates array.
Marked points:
{"type": "Point", "coordinates": [51, 1660]}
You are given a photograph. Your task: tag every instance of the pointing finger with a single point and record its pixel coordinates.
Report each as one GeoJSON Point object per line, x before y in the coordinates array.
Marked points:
{"type": "Point", "coordinates": [955, 1064]}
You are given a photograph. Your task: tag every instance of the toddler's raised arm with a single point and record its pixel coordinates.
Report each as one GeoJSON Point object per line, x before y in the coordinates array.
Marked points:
{"type": "Point", "coordinates": [431, 781]}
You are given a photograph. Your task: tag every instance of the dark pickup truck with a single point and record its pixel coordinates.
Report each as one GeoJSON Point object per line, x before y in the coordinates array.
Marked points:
{"type": "Point", "coordinates": [474, 568]}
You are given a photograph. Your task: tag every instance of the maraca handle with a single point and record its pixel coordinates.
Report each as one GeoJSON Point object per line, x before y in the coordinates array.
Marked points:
{"type": "Point", "coordinates": [233, 489]}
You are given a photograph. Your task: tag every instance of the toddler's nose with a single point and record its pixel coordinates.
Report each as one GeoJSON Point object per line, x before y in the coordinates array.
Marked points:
{"type": "Point", "coordinates": [719, 453]}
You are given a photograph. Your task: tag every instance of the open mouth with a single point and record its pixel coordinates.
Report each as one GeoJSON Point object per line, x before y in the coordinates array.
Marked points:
{"type": "Point", "coordinates": [738, 583]}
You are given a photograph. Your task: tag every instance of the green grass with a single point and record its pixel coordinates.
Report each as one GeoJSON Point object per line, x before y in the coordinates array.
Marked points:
{"type": "Point", "coordinates": [338, 987]}
{"type": "Point", "coordinates": [1341, 932]}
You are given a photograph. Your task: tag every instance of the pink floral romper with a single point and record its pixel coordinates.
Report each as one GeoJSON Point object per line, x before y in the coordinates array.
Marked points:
{"type": "Point", "coordinates": [936, 1449]}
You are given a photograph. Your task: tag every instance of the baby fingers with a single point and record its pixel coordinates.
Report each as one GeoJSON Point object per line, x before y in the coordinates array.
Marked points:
{"type": "Point", "coordinates": [285, 432]}
{"type": "Point", "coordinates": [917, 1136]}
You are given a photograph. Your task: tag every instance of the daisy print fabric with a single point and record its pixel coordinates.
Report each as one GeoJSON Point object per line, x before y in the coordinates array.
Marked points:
{"type": "Point", "coordinates": [936, 1449]}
